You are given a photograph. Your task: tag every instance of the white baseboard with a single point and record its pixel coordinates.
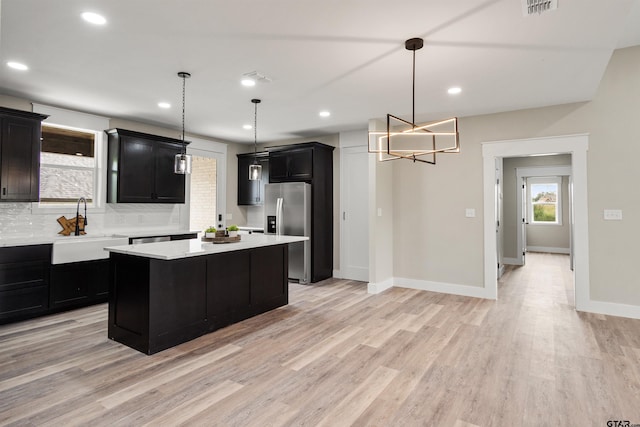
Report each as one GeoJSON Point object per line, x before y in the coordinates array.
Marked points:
{"type": "Point", "coordinates": [445, 288]}
{"type": "Point", "coordinates": [511, 261]}
{"type": "Point", "coordinates": [612, 309]}
{"type": "Point", "coordinates": [501, 270]}
{"type": "Point", "coordinates": [548, 250]}
{"type": "Point", "coordinates": [337, 274]}
{"type": "Point", "coordinates": [376, 288]}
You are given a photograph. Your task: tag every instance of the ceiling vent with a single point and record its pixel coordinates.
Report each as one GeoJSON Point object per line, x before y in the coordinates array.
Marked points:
{"type": "Point", "coordinates": [536, 7]}
{"type": "Point", "coordinates": [257, 77]}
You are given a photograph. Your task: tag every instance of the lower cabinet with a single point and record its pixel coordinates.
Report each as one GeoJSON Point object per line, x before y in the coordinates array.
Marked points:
{"type": "Point", "coordinates": [24, 282]}
{"type": "Point", "coordinates": [79, 283]}
{"type": "Point", "coordinates": [157, 304]}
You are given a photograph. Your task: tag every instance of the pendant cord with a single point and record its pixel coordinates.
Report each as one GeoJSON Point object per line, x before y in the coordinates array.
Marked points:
{"type": "Point", "coordinates": [184, 79]}
{"type": "Point", "coordinates": [255, 131]}
{"type": "Point", "coordinates": [413, 93]}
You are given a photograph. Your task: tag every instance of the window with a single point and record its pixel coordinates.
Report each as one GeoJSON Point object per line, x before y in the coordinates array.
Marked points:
{"type": "Point", "coordinates": [72, 157]}
{"type": "Point", "coordinates": [544, 200]}
{"type": "Point", "coordinates": [67, 165]}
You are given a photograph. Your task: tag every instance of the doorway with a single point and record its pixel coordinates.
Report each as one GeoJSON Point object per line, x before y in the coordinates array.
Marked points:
{"type": "Point", "coordinates": [206, 185]}
{"type": "Point", "coordinates": [577, 146]}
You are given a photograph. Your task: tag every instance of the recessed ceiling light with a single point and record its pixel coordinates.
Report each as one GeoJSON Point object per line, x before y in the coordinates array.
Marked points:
{"type": "Point", "coordinates": [247, 127]}
{"type": "Point", "coordinates": [94, 18]}
{"type": "Point", "coordinates": [324, 114]}
{"type": "Point", "coordinates": [164, 105]}
{"type": "Point", "coordinates": [248, 82]}
{"type": "Point", "coordinates": [454, 90]}
{"type": "Point", "coordinates": [17, 66]}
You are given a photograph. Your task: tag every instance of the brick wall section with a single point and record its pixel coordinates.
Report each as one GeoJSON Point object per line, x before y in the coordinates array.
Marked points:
{"type": "Point", "coordinates": [203, 194]}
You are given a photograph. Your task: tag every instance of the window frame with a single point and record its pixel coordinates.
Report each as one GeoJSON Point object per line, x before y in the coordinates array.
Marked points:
{"type": "Point", "coordinates": [557, 180]}
{"type": "Point", "coordinates": [67, 119]}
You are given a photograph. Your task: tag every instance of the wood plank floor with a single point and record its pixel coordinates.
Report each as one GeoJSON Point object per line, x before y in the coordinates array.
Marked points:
{"type": "Point", "coordinates": [338, 356]}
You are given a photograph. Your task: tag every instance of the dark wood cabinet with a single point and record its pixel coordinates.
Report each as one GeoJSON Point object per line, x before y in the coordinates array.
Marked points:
{"type": "Point", "coordinates": [24, 281]}
{"type": "Point", "coordinates": [291, 165]}
{"type": "Point", "coordinates": [252, 192]}
{"type": "Point", "coordinates": [79, 284]}
{"type": "Point", "coordinates": [20, 133]}
{"type": "Point", "coordinates": [311, 162]}
{"type": "Point", "coordinates": [156, 304]}
{"type": "Point", "coordinates": [141, 168]}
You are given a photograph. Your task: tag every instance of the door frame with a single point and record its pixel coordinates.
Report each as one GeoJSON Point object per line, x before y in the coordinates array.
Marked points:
{"type": "Point", "coordinates": [521, 176]}
{"type": "Point", "coordinates": [218, 151]}
{"type": "Point", "coordinates": [577, 146]}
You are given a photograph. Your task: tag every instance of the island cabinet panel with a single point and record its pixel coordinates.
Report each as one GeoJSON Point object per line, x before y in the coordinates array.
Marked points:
{"type": "Point", "coordinates": [156, 304]}
{"type": "Point", "coordinates": [230, 283]}
{"type": "Point", "coordinates": [269, 271]}
{"type": "Point", "coordinates": [177, 302]}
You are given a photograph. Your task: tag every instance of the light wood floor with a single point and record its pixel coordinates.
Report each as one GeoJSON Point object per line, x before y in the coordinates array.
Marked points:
{"type": "Point", "coordinates": [338, 356]}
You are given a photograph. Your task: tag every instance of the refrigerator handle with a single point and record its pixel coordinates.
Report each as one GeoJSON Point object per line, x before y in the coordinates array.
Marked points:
{"type": "Point", "coordinates": [279, 216]}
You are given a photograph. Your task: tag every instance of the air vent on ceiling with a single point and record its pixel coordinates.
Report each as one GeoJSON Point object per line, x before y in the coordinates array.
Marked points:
{"type": "Point", "coordinates": [536, 7]}
{"type": "Point", "coordinates": [256, 76]}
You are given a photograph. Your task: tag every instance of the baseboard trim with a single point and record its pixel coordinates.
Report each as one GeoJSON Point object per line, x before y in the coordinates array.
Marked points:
{"type": "Point", "coordinates": [548, 250]}
{"type": "Point", "coordinates": [337, 274]}
{"type": "Point", "coordinates": [376, 288]}
{"type": "Point", "coordinates": [501, 270]}
{"type": "Point", "coordinates": [445, 288]}
{"type": "Point", "coordinates": [511, 261]}
{"type": "Point", "coordinates": [611, 309]}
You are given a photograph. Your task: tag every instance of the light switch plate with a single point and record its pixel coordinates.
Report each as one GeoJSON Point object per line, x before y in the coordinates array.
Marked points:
{"type": "Point", "coordinates": [613, 214]}
{"type": "Point", "coordinates": [470, 213]}
{"type": "Point", "coordinates": [379, 211]}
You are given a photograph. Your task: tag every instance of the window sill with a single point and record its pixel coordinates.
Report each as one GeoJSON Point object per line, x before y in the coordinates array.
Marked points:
{"type": "Point", "coordinates": [37, 209]}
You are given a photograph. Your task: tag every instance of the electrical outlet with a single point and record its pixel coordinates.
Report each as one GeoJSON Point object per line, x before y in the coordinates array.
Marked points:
{"type": "Point", "coordinates": [379, 211]}
{"type": "Point", "coordinates": [613, 214]}
{"type": "Point", "coordinates": [470, 213]}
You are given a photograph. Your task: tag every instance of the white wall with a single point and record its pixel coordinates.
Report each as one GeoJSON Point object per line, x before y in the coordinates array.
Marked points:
{"type": "Point", "coordinates": [433, 241]}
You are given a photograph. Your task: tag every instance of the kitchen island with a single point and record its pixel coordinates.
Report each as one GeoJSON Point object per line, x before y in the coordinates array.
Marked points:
{"type": "Point", "coordinates": [166, 293]}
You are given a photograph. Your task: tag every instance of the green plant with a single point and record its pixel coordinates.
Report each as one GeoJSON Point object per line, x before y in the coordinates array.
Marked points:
{"type": "Point", "coordinates": [211, 229]}
{"type": "Point", "coordinates": [232, 228]}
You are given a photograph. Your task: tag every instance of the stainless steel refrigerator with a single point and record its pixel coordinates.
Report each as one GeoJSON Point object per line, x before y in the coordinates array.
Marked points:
{"type": "Point", "coordinates": [287, 210]}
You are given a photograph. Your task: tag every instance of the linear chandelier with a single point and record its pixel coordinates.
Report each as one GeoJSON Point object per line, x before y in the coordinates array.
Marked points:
{"type": "Point", "coordinates": [416, 142]}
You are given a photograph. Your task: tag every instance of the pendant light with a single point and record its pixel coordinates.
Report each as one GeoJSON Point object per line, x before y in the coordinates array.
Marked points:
{"type": "Point", "coordinates": [182, 164]}
{"type": "Point", "coordinates": [416, 142]}
{"type": "Point", "coordinates": [255, 170]}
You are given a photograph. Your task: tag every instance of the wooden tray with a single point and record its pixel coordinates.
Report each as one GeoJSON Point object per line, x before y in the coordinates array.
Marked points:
{"type": "Point", "coordinates": [222, 239]}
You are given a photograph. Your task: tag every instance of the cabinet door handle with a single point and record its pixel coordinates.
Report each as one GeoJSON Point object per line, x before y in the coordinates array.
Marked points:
{"type": "Point", "coordinates": [4, 191]}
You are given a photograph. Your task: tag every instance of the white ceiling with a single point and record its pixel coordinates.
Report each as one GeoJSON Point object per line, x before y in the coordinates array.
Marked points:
{"type": "Point", "coordinates": [345, 56]}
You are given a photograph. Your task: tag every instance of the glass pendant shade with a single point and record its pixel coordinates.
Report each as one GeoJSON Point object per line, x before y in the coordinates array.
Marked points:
{"type": "Point", "coordinates": [182, 164]}
{"type": "Point", "coordinates": [255, 172]}
{"type": "Point", "coordinates": [255, 169]}
{"type": "Point", "coordinates": [182, 161]}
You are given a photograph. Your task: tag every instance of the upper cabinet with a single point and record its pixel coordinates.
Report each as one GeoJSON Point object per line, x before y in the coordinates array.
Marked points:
{"type": "Point", "coordinates": [20, 133]}
{"type": "Point", "coordinates": [292, 164]}
{"type": "Point", "coordinates": [141, 168]}
{"type": "Point", "coordinates": [252, 192]}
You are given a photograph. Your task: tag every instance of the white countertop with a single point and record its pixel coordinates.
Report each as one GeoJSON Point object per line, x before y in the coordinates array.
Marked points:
{"type": "Point", "coordinates": [195, 247]}
{"type": "Point", "coordinates": [42, 239]}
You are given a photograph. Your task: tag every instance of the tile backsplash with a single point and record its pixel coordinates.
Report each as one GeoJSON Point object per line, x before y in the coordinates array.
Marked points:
{"type": "Point", "coordinates": [17, 219]}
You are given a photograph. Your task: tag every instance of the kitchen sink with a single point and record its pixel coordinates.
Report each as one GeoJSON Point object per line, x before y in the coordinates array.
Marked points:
{"type": "Point", "coordinates": [84, 248]}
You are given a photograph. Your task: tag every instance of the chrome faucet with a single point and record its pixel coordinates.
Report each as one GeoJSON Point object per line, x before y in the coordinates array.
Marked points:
{"type": "Point", "coordinates": [78, 230]}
